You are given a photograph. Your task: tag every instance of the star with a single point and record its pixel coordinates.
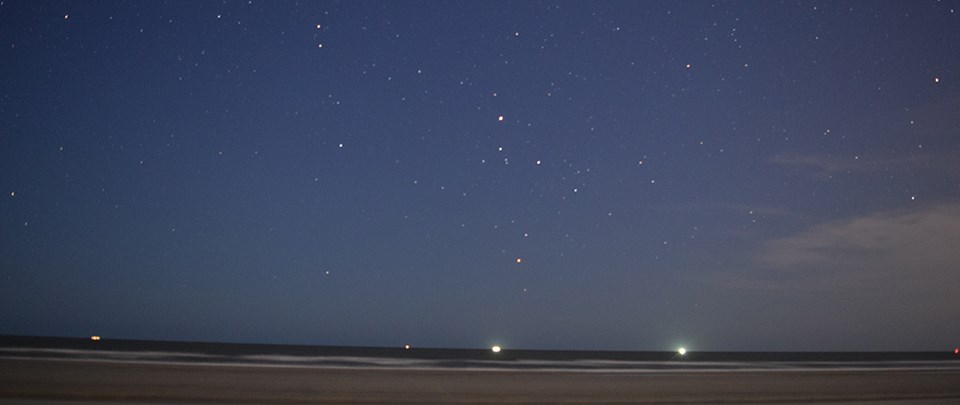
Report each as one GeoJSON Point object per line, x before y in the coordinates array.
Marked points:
{"type": "Point", "coordinates": [500, 118]}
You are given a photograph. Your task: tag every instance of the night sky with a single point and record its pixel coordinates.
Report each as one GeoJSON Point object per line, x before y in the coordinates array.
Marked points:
{"type": "Point", "coordinates": [548, 175]}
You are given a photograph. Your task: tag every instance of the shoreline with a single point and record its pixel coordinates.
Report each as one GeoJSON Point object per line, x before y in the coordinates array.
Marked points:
{"type": "Point", "coordinates": [704, 368]}
{"type": "Point", "coordinates": [120, 382]}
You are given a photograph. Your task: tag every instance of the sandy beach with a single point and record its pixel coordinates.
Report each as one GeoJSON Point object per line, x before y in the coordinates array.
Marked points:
{"type": "Point", "coordinates": [44, 380]}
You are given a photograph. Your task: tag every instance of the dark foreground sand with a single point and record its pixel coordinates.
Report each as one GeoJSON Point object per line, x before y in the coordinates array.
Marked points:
{"type": "Point", "coordinates": [24, 380]}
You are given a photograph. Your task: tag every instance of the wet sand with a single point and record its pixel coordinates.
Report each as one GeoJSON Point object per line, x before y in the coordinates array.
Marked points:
{"type": "Point", "coordinates": [24, 381]}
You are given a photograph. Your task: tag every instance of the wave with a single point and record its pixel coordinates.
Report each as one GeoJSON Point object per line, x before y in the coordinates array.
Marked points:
{"type": "Point", "coordinates": [540, 365]}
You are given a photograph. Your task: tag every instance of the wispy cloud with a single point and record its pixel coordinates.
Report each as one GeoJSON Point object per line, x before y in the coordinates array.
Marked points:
{"type": "Point", "coordinates": [891, 276]}
{"type": "Point", "coordinates": [863, 164]}
{"type": "Point", "coordinates": [900, 251]}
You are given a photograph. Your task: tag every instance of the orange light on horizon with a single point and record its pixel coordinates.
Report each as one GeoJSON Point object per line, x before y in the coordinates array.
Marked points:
{"type": "Point", "coordinates": [956, 351]}
{"type": "Point", "coordinates": [94, 338]}
{"type": "Point", "coordinates": [406, 347]}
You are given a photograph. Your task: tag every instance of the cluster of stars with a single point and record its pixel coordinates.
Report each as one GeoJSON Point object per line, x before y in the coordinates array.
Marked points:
{"type": "Point", "coordinates": [630, 120]}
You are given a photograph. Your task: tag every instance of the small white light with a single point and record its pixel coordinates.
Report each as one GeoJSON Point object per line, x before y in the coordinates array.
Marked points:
{"type": "Point", "coordinates": [682, 351]}
{"type": "Point", "coordinates": [495, 349]}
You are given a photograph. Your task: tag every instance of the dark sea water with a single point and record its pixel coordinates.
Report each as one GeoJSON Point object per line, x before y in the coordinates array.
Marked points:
{"type": "Point", "coordinates": [413, 358]}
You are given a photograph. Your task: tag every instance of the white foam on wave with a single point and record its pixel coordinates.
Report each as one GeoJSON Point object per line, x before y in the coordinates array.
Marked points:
{"type": "Point", "coordinates": [380, 361]}
{"type": "Point", "coordinates": [105, 353]}
{"type": "Point", "coordinates": [413, 364]}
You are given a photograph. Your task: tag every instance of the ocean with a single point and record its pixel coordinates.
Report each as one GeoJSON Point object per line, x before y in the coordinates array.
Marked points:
{"type": "Point", "coordinates": [140, 351]}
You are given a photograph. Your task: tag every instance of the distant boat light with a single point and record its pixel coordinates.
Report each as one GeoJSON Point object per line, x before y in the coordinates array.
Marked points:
{"type": "Point", "coordinates": [682, 351]}
{"type": "Point", "coordinates": [406, 347]}
{"type": "Point", "coordinates": [496, 349]}
{"type": "Point", "coordinates": [956, 351]}
{"type": "Point", "coordinates": [94, 338]}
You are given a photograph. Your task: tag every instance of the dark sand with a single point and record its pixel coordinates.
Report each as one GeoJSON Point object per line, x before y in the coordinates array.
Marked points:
{"type": "Point", "coordinates": [101, 381]}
